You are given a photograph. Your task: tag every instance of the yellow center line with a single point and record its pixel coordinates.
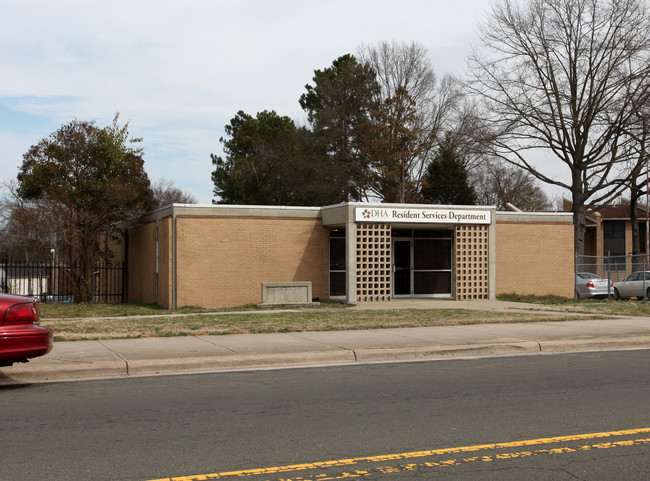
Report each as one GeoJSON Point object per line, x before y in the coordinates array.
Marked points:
{"type": "Point", "coordinates": [433, 452]}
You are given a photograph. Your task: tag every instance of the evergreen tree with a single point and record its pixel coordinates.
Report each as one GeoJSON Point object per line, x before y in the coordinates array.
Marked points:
{"type": "Point", "coordinates": [269, 161]}
{"type": "Point", "coordinates": [338, 106]}
{"type": "Point", "coordinates": [446, 180]}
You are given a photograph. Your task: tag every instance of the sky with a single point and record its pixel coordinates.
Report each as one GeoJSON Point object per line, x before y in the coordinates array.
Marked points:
{"type": "Point", "coordinates": [178, 71]}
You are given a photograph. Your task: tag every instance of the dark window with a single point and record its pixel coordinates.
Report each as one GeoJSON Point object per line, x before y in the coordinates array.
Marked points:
{"type": "Point", "coordinates": [337, 284]}
{"type": "Point", "coordinates": [642, 237]}
{"type": "Point", "coordinates": [337, 254]}
{"type": "Point", "coordinates": [614, 242]}
{"type": "Point", "coordinates": [432, 282]}
{"type": "Point", "coordinates": [401, 233]}
{"type": "Point", "coordinates": [337, 262]}
{"type": "Point", "coordinates": [432, 254]}
{"type": "Point", "coordinates": [432, 234]}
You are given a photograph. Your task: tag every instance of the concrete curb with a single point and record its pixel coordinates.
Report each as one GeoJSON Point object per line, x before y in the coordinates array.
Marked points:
{"type": "Point", "coordinates": [602, 344]}
{"type": "Point", "coordinates": [57, 369]}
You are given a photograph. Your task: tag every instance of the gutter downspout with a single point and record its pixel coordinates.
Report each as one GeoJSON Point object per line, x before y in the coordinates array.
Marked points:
{"type": "Point", "coordinates": [492, 256]}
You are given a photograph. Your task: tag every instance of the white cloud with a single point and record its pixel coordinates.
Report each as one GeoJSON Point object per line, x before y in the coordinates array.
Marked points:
{"type": "Point", "coordinates": [179, 71]}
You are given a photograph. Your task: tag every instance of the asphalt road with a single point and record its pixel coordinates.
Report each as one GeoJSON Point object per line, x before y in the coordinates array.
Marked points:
{"type": "Point", "coordinates": [577, 416]}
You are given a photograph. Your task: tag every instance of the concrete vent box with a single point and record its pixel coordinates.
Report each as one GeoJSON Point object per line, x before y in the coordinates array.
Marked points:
{"type": "Point", "coordinates": [286, 293]}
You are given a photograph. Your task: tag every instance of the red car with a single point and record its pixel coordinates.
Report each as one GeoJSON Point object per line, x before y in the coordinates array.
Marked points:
{"type": "Point", "coordinates": [21, 337]}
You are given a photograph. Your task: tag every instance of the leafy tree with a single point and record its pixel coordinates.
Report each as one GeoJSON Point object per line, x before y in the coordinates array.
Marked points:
{"type": "Point", "coordinates": [165, 193]}
{"type": "Point", "coordinates": [446, 179]}
{"type": "Point", "coordinates": [498, 184]}
{"type": "Point", "coordinates": [268, 161]}
{"type": "Point", "coordinates": [564, 76]}
{"type": "Point", "coordinates": [338, 105]}
{"type": "Point", "coordinates": [82, 180]}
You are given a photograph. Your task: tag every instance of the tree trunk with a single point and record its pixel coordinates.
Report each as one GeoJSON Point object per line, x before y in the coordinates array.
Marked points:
{"type": "Point", "coordinates": [637, 242]}
{"type": "Point", "coordinates": [579, 224]}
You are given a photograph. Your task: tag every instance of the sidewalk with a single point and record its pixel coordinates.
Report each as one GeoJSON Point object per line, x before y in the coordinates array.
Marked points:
{"type": "Point", "coordinates": [151, 356]}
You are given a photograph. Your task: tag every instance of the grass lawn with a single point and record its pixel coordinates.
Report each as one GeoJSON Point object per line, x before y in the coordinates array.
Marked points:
{"type": "Point", "coordinates": [121, 321]}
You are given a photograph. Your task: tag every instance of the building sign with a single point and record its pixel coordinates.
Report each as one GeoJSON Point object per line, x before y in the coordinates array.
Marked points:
{"type": "Point", "coordinates": [422, 215]}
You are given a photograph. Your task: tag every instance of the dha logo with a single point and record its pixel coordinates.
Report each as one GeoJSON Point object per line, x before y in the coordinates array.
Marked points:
{"type": "Point", "coordinates": [374, 213]}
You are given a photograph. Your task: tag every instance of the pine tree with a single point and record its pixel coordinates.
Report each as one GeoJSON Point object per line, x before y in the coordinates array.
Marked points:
{"type": "Point", "coordinates": [446, 181]}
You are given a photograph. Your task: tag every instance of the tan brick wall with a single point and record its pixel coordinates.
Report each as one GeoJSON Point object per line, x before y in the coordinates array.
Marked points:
{"type": "Point", "coordinates": [534, 258]}
{"type": "Point", "coordinates": [222, 261]}
{"type": "Point", "coordinates": [142, 264]}
{"type": "Point", "coordinates": [165, 263]}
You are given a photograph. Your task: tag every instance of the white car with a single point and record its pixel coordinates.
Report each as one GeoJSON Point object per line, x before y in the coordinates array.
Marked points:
{"type": "Point", "coordinates": [590, 285]}
{"type": "Point", "coordinates": [635, 285]}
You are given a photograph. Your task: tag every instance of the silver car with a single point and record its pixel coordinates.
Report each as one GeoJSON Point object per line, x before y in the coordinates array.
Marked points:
{"type": "Point", "coordinates": [634, 285]}
{"type": "Point", "coordinates": [591, 285]}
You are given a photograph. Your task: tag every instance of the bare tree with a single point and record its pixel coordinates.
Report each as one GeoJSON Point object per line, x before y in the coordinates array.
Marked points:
{"type": "Point", "coordinates": [166, 193]}
{"type": "Point", "coordinates": [563, 76]}
{"type": "Point", "coordinates": [23, 235]}
{"type": "Point", "coordinates": [405, 71]}
{"type": "Point", "coordinates": [392, 144]}
{"type": "Point", "coordinates": [497, 183]}
{"type": "Point", "coordinates": [639, 132]}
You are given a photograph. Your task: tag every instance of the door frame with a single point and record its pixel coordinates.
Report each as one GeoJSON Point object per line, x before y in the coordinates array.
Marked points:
{"type": "Point", "coordinates": [393, 268]}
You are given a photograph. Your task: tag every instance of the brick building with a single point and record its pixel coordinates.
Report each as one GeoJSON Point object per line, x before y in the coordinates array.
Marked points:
{"type": "Point", "coordinates": [609, 240]}
{"type": "Point", "coordinates": [219, 255]}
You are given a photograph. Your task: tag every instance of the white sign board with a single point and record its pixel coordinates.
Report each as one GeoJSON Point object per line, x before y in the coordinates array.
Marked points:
{"type": "Point", "coordinates": [422, 215]}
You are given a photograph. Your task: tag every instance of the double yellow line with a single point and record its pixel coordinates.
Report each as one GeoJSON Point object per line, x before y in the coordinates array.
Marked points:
{"type": "Point", "coordinates": [436, 452]}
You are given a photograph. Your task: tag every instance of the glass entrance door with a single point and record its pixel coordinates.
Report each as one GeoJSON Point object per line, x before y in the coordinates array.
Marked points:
{"type": "Point", "coordinates": [402, 267]}
{"type": "Point", "coordinates": [432, 267]}
{"type": "Point", "coordinates": [422, 265]}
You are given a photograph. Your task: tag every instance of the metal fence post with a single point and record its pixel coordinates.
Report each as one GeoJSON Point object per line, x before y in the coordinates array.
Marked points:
{"type": "Point", "coordinates": [644, 292]}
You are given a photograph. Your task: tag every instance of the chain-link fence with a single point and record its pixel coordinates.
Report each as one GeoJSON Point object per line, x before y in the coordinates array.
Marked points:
{"type": "Point", "coordinates": [614, 268]}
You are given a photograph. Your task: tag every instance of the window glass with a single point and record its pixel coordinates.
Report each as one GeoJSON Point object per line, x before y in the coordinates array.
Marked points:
{"type": "Point", "coordinates": [587, 275]}
{"type": "Point", "coordinates": [432, 233]}
{"type": "Point", "coordinates": [614, 242]}
{"type": "Point", "coordinates": [642, 237]}
{"type": "Point", "coordinates": [337, 284]}
{"type": "Point", "coordinates": [337, 254]}
{"type": "Point", "coordinates": [432, 282]}
{"type": "Point", "coordinates": [401, 232]}
{"type": "Point", "coordinates": [337, 262]}
{"type": "Point", "coordinates": [431, 254]}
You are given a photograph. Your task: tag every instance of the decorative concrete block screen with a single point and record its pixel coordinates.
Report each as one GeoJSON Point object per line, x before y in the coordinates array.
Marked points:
{"type": "Point", "coordinates": [373, 262]}
{"type": "Point", "coordinates": [471, 262]}
{"type": "Point", "coordinates": [286, 293]}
